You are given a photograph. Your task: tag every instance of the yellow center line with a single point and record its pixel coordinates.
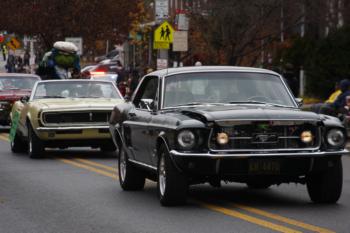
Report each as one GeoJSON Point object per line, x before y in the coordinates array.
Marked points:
{"type": "Point", "coordinates": [80, 165]}
{"type": "Point", "coordinates": [247, 218]}
{"type": "Point", "coordinates": [109, 168]}
{"type": "Point", "coordinates": [3, 137]}
{"type": "Point", "coordinates": [283, 219]}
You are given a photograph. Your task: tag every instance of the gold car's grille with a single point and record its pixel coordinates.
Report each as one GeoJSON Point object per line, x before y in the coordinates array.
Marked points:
{"type": "Point", "coordinates": [87, 117]}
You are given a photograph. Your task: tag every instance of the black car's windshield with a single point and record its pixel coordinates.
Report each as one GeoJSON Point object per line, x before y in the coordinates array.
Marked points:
{"type": "Point", "coordinates": [11, 83]}
{"type": "Point", "coordinates": [75, 89]}
{"type": "Point", "coordinates": [226, 88]}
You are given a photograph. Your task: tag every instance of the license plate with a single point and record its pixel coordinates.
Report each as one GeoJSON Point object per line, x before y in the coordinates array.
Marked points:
{"type": "Point", "coordinates": [264, 166]}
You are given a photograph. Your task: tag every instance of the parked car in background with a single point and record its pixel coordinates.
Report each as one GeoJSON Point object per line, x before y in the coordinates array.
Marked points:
{"type": "Point", "coordinates": [192, 125]}
{"type": "Point", "coordinates": [12, 87]}
{"type": "Point", "coordinates": [65, 113]}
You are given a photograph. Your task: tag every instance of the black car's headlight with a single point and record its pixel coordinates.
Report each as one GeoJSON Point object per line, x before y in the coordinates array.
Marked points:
{"type": "Point", "coordinates": [186, 139]}
{"type": "Point", "coordinates": [335, 138]}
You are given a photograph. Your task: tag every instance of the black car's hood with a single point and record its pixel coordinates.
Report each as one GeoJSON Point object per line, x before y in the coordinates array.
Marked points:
{"type": "Point", "coordinates": [248, 112]}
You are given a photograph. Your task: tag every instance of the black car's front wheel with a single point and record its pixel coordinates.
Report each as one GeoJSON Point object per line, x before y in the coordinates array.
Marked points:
{"type": "Point", "coordinates": [130, 177]}
{"type": "Point", "coordinates": [172, 185]}
{"type": "Point", "coordinates": [326, 187]}
{"type": "Point", "coordinates": [36, 147]}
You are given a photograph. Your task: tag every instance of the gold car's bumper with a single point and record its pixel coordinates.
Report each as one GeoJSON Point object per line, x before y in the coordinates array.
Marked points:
{"type": "Point", "coordinates": [73, 132]}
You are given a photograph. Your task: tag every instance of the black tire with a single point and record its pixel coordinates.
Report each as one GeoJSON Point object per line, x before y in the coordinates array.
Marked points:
{"type": "Point", "coordinates": [326, 187]}
{"type": "Point", "coordinates": [35, 145]}
{"type": "Point", "coordinates": [17, 145]}
{"type": "Point", "coordinates": [172, 185]}
{"type": "Point", "coordinates": [130, 178]}
{"type": "Point", "coordinates": [258, 185]}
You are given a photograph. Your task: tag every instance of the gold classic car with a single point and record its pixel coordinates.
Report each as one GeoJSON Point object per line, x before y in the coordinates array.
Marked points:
{"type": "Point", "coordinates": [64, 113]}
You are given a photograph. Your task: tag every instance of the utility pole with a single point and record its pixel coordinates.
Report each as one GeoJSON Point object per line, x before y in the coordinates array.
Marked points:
{"type": "Point", "coordinates": [302, 34]}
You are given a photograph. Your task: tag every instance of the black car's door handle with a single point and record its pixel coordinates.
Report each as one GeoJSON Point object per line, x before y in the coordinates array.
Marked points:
{"type": "Point", "coordinates": [132, 114]}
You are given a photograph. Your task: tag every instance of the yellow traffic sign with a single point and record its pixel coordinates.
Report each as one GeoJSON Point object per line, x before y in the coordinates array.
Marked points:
{"type": "Point", "coordinates": [161, 45]}
{"type": "Point", "coordinates": [13, 43]}
{"type": "Point", "coordinates": [164, 33]}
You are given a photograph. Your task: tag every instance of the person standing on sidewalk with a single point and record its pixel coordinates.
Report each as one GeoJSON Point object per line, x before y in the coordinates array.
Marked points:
{"type": "Point", "coordinates": [4, 51]}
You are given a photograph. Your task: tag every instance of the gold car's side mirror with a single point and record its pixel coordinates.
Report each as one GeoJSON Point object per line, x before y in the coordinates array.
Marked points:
{"type": "Point", "coordinates": [24, 99]}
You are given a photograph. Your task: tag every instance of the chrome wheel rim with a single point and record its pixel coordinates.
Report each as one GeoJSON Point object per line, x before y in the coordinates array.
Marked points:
{"type": "Point", "coordinates": [122, 165]}
{"type": "Point", "coordinates": [162, 176]}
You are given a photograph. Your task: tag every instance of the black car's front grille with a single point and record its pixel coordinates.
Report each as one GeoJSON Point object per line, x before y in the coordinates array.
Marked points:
{"type": "Point", "coordinates": [272, 135]}
{"type": "Point", "coordinates": [86, 117]}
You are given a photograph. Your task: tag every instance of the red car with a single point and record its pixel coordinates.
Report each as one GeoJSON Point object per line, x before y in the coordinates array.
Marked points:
{"type": "Point", "coordinates": [12, 88]}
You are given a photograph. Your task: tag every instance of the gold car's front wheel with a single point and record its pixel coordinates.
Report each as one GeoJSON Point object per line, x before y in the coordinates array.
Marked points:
{"type": "Point", "coordinates": [35, 145]}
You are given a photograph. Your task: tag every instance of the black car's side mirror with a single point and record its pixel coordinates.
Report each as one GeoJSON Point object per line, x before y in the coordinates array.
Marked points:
{"type": "Point", "coordinates": [24, 99]}
{"type": "Point", "coordinates": [148, 104]}
{"type": "Point", "coordinates": [299, 101]}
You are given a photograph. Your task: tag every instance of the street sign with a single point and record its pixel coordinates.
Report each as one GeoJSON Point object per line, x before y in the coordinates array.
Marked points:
{"type": "Point", "coordinates": [164, 33]}
{"type": "Point", "coordinates": [162, 10]}
{"type": "Point", "coordinates": [78, 41]}
{"type": "Point", "coordinates": [162, 64]}
{"type": "Point", "coordinates": [13, 43]}
{"type": "Point", "coordinates": [182, 22]}
{"type": "Point", "coordinates": [161, 45]}
{"type": "Point", "coordinates": [180, 43]}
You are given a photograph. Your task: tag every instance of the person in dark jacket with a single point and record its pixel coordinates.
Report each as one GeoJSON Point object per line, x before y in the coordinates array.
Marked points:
{"type": "Point", "coordinates": [336, 107]}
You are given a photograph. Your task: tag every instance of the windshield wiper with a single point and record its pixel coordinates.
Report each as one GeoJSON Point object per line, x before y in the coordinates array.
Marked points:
{"type": "Point", "coordinates": [260, 102]}
{"type": "Point", "coordinates": [247, 102]}
{"type": "Point", "coordinates": [89, 97]}
{"type": "Point", "coordinates": [189, 104]}
{"type": "Point", "coordinates": [51, 97]}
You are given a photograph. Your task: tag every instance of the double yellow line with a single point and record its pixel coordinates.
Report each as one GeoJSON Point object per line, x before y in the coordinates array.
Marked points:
{"type": "Point", "coordinates": [239, 211]}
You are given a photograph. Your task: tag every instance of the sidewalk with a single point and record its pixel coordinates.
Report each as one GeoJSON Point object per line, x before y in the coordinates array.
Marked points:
{"type": "Point", "coordinates": [2, 65]}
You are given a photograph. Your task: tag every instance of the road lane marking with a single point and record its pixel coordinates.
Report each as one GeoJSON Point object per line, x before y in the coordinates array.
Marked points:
{"type": "Point", "coordinates": [80, 165]}
{"type": "Point", "coordinates": [283, 219]}
{"type": "Point", "coordinates": [109, 168]}
{"type": "Point", "coordinates": [247, 218]}
{"type": "Point", "coordinates": [3, 137]}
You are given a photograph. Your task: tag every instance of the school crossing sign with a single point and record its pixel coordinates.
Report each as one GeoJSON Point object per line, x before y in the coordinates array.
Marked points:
{"type": "Point", "coordinates": [163, 36]}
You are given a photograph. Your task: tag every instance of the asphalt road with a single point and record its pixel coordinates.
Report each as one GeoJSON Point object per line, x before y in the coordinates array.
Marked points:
{"type": "Point", "coordinates": [77, 191]}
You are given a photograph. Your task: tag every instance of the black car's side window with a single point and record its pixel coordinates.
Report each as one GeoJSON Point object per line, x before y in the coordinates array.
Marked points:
{"type": "Point", "coordinates": [147, 94]}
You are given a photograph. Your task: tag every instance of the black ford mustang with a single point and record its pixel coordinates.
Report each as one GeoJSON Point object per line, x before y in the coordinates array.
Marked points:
{"type": "Point", "coordinates": [192, 125]}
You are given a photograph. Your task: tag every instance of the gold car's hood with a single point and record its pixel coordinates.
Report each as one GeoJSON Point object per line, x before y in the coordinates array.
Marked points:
{"type": "Point", "coordinates": [76, 103]}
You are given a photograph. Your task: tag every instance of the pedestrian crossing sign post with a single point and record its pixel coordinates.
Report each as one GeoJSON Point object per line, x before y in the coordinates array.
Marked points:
{"type": "Point", "coordinates": [163, 36]}
{"type": "Point", "coordinates": [13, 43]}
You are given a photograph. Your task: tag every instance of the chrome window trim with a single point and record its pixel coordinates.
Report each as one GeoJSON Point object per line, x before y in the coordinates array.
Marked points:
{"type": "Point", "coordinates": [161, 107]}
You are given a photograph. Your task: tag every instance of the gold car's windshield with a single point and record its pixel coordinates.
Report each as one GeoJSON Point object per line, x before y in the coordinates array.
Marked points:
{"type": "Point", "coordinates": [75, 89]}
{"type": "Point", "coordinates": [225, 88]}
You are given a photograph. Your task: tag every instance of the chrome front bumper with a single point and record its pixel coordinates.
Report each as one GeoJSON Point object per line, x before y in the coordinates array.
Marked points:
{"type": "Point", "coordinates": [263, 154]}
{"type": "Point", "coordinates": [63, 128]}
